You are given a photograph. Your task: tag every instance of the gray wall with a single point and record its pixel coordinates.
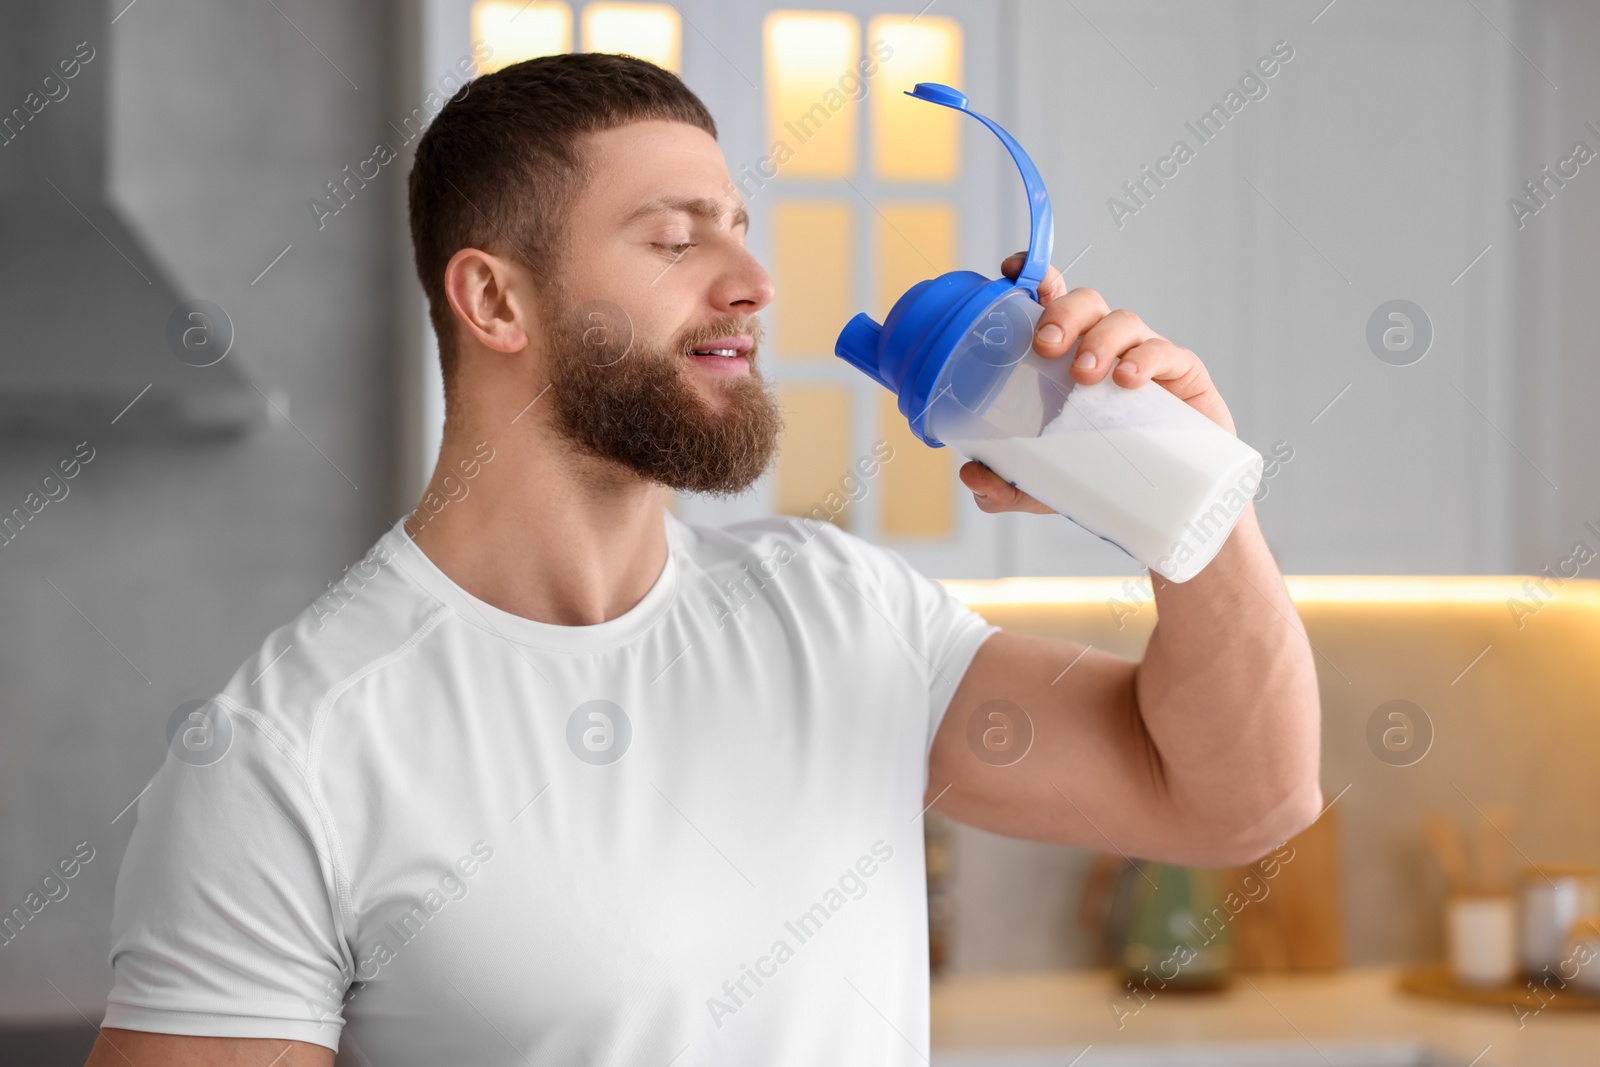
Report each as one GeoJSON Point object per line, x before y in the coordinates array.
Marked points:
{"type": "Point", "coordinates": [226, 121]}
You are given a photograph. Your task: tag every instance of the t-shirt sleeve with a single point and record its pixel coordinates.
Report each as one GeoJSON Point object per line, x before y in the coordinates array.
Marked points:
{"type": "Point", "coordinates": [224, 922]}
{"type": "Point", "coordinates": [942, 632]}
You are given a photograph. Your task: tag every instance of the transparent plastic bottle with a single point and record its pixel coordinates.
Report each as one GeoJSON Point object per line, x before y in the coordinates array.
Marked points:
{"type": "Point", "coordinates": [1137, 467]}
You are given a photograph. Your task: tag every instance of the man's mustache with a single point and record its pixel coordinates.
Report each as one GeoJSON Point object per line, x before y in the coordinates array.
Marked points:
{"type": "Point", "coordinates": [750, 327]}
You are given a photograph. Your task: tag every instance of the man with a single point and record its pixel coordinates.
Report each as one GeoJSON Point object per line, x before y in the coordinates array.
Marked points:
{"type": "Point", "coordinates": [526, 789]}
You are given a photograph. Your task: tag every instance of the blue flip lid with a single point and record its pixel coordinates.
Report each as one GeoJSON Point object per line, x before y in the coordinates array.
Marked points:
{"type": "Point", "coordinates": [908, 352]}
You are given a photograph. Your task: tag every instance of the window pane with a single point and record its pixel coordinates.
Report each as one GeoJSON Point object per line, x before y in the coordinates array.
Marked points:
{"type": "Point", "coordinates": [917, 483]}
{"type": "Point", "coordinates": [913, 140]}
{"type": "Point", "coordinates": [649, 31]}
{"type": "Point", "coordinates": [815, 452]}
{"type": "Point", "coordinates": [811, 74]}
{"type": "Point", "coordinates": [517, 31]}
{"type": "Point", "coordinates": [814, 274]}
{"type": "Point", "coordinates": [914, 242]}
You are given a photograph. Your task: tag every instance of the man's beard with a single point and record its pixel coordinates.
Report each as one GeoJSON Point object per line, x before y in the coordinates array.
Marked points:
{"type": "Point", "coordinates": [629, 402]}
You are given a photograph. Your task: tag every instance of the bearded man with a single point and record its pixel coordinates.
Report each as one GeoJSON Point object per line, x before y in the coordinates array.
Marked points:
{"type": "Point", "coordinates": [528, 797]}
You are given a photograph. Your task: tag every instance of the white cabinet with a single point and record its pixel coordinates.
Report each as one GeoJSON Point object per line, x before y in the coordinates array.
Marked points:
{"type": "Point", "coordinates": [1371, 166]}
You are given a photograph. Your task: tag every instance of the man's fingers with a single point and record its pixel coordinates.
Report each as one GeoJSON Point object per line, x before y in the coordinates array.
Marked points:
{"type": "Point", "coordinates": [1107, 340]}
{"type": "Point", "coordinates": [1175, 368]}
{"type": "Point", "coordinates": [1064, 320]}
{"type": "Point", "coordinates": [994, 494]}
{"type": "Point", "coordinates": [1078, 324]}
{"type": "Point", "coordinates": [1053, 285]}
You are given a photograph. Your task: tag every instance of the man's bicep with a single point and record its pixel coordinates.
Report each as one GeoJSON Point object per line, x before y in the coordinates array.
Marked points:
{"type": "Point", "coordinates": [118, 1048]}
{"type": "Point", "coordinates": [1043, 740]}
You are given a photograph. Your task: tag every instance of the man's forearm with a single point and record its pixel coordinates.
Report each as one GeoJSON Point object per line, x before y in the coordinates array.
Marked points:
{"type": "Point", "coordinates": [1228, 694]}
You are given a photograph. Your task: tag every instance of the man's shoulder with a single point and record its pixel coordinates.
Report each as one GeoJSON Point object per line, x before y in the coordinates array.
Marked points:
{"type": "Point", "coordinates": [373, 617]}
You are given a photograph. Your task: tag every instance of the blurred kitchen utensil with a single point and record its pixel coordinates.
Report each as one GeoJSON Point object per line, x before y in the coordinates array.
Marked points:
{"type": "Point", "coordinates": [1447, 849]}
{"type": "Point", "coordinates": [1480, 913]}
{"type": "Point", "coordinates": [1494, 835]}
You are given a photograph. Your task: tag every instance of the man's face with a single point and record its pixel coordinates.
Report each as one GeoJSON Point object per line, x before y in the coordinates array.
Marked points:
{"type": "Point", "coordinates": [656, 268]}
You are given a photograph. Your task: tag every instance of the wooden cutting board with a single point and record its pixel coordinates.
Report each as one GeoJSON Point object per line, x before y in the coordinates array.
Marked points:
{"type": "Point", "coordinates": [1297, 922]}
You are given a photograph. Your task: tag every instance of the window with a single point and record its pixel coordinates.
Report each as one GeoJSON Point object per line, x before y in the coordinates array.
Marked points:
{"type": "Point", "coordinates": [819, 73]}
{"type": "Point", "coordinates": [911, 140]}
{"type": "Point", "coordinates": [809, 55]}
{"type": "Point", "coordinates": [814, 259]}
{"type": "Point", "coordinates": [516, 31]}
{"type": "Point", "coordinates": [649, 31]}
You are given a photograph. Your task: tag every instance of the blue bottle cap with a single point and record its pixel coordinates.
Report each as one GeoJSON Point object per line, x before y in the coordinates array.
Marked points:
{"type": "Point", "coordinates": [907, 354]}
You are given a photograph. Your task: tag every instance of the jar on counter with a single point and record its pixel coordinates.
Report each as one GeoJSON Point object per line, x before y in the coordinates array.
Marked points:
{"type": "Point", "coordinates": [1481, 932]}
{"type": "Point", "coordinates": [1581, 963]}
{"type": "Point", "coordinates": [1553, 897]}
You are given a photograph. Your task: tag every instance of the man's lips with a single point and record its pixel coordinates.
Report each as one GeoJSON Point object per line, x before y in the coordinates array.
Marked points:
{"type": "Point", "coordinates": [741, 344]}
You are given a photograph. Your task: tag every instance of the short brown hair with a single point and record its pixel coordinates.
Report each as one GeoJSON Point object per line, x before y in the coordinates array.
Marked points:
{"type": "Point", "coordinates": [500, 165]}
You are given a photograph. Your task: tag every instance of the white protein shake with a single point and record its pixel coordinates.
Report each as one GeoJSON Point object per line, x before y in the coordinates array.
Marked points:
{"type": "Point", "coordinates": [1153, 491]}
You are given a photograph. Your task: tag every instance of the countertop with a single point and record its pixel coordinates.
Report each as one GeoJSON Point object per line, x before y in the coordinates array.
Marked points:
{"type": "Point", "coordinates": [1070, 1009]}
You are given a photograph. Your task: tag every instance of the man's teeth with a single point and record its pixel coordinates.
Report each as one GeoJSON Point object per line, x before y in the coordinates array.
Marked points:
{"type": "Point", "coordinates": [716, 352]}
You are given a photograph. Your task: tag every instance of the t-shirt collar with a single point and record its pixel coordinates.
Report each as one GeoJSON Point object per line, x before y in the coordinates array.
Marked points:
{"type": "Point", "coordinates": [421, 570]}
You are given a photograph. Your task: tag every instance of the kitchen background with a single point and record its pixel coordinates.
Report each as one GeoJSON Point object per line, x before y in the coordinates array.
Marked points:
{"type": "Point", "coordinates": [1384, 160]}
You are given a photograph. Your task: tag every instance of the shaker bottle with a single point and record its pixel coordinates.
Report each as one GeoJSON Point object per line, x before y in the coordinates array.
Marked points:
{"type": "Point", "coordinates": [1136, 467]}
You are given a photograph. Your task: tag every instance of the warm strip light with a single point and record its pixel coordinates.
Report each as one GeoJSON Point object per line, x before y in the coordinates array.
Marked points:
{"type": "Point", "coordinates": [648, 31]}
{"type": "Point", "coordinates": [1303, 589]}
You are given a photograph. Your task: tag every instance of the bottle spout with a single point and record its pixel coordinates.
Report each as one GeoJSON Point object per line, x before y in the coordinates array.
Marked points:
{"type": "Point", "coordinates": [1042, 236]}
{"type": "Point", "coordinates": [858, 345]}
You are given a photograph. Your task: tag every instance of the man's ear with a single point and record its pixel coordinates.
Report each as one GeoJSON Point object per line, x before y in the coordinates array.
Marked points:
{"type": "Point", "coordinates": [489, 297]}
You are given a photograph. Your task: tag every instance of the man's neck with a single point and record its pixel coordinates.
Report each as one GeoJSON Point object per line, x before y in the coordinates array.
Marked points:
{"type": "Point", "coordinates": [539, 533]}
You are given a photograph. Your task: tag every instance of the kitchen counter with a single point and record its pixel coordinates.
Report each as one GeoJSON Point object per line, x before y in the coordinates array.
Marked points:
{"type": "Point", "coordinates": [1064, 1011]}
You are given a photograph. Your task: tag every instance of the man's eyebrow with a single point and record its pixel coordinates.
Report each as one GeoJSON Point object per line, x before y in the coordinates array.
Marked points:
{"type": "Point", "coordinates": [699, 206]}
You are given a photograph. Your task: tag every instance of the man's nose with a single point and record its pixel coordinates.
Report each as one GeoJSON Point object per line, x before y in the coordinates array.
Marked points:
{"type": "Point", "coordinates": [745, 287]}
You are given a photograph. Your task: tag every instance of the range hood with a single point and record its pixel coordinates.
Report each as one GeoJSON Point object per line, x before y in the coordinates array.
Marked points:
{"type": "Point", "coordinates": [85, 311]}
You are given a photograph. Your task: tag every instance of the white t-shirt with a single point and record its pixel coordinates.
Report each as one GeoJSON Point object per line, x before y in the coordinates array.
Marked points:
{"type": "Point", "coordinates": [425, 831]}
